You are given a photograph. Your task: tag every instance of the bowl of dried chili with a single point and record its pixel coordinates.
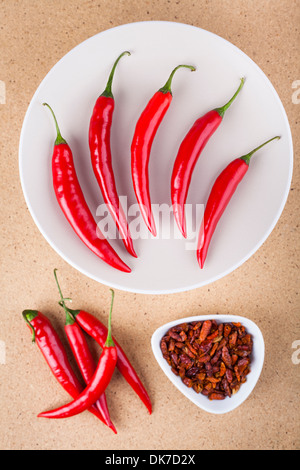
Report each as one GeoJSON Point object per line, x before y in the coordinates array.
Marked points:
{"type": "Point", "coordinates": [214, 360]}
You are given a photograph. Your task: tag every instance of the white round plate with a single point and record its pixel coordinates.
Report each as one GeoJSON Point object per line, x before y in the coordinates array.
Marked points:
{"type": "Point", "coordinates": [257, 361]}
{"type": "Point", "coordinates": [167, 263]}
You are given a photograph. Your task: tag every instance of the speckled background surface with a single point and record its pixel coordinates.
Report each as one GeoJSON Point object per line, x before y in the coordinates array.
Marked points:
{"type": "Point", "coordinates": [34, 35]}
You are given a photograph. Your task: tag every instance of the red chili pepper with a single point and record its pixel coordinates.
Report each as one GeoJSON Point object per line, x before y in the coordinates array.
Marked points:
{"type": "Point", "coordinates": [74, 206]}
{"type": "Point", "coordinates": [94, 328]}
{"type": "Point", "coordinates": [187, 157]}
{"type": "Point", "coordinates": [55, 354]}
{"type": "Point", "coordinates": [220, 195]}
{"type": "Point", "coordinates": [144, 134]}
{"type": "Point", "coordinates": [97, 385]}
{"type": "Point", "coordinates": [100, 149]}
{"type": "Point", "coordinates": [83, 356]}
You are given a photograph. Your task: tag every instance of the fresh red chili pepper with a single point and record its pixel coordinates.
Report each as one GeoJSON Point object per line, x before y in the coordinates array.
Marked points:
{"type": "Point", "coordinates": [51, 347]}
{"type": "Point", "coordinates": [74, 206]}
{"type": "Point", "coordinates": [145, 131]}
{"type": "Point", "coordinates": [97, 385]}
{"type": "Point", "coordinates": [220, 195]}
{"type": "Point", "coordinates": [83, 356]}
{"type": "Point", "coordinates": [94, 328]}
{"type": "Point", "coordinates": [100, 149]}
{"type": "Point", "coordinates": [187, 157]}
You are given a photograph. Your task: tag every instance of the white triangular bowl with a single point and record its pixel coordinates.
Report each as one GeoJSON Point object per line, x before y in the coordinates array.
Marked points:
{"type": "Point", "coordinates": [257, 361]}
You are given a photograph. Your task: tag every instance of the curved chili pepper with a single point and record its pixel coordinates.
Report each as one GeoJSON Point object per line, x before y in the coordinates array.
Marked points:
{"type": "Point", "coordinates": [145, 131]}
{"type": "Point", "coordinates": [100, 149]}
{"type": "Point", "coordinates": [187, 157]}
{"type": "Point", "coordinates": [220, 195]}
{"type": "Point", "coordinates": [97, 385]}
{"type": "Point", "coordinates": [83, 356]}
{"type": "Point", "coordinates": [51, 347]}
{"type": "Point", "coordinates": [94, 328]}
{"type": "Point", "coordinates": [74, 206]}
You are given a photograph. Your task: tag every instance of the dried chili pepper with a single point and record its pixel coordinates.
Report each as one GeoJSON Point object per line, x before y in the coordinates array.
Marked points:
{"type": "Point", "coordinates": [205, 330]}
{"type": "Point", "coordinates": [51, 347]}
{"type": "Point", "coordinates": [213, 369]}
{"type": "Point", "coordinates": [220, 195]}
{"type": "Point", "coordinates": [100, 149]}
{"type": "Point", "coordinates": [83, 356]}
{"type": "Point", "coordinates": [97, 385]}
{"type": "Point", "coordinates": [188, 155]}
{"type": "Point", "coordinates": [144, 134]}
{"type": "Point", "coordinates": [74, 206]}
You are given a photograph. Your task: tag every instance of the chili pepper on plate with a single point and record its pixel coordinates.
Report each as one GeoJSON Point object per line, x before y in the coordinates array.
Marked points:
{"type": "Point", "coordinates": [74, 206]}
{"type": "Point", "coordinates": [144, 134]}
{"type": "Point", "coordinates": [52, 349]}
{"type": "Point", "coordinates": [219, 197]}
{"type": "Point", "coordinates": [97, 385]}
{"type": "Point", "coordinates": [83, 356]}
{"type": "Point", "coordinates": [188, 155]}
{"type": "Point", "coordinates": [100, 150]}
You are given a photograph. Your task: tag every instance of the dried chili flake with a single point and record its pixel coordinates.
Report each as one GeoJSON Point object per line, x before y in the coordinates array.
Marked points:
{"type": "Point", "coordinates": [216, 357]}
{"type": "Point", "coordinates": [216, 396]}
{"type": "Point", "coordinates": [176, 336]}
{"type": "Point", "coordinates": [213, 359]}
{"type": "Point", "coordinates": [222, 369]}
{"type": "Point", "coordinates": [226, 356]}
{"type": "Point", "coordinates": [213, 349]}
{"type": "Point", "coordinates": [214, 335]}
{"type": "Point", "coordinates": [227, 330]}
{"type": "Point", "coordinates": [233, 338]}
{"type": "Point", "coordinates": [205, 329]}
{"type": "Point", "coordinates": [188, 382]}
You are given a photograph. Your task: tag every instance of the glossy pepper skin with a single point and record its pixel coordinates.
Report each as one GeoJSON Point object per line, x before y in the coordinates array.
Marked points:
{"type": "Point", "coordinates": [52, 349]}
{"type": "Point", "coordinates": [83, 356]}
{"type": "Point", "coordinates": [96, 386]}
{"type": "Point", "coordinates": [144, 134]}
{"type": "Point", "coordinates": [98, 331]}
{"type": "Point", "coordinates": [93, 327]}
{"type": "Point", "coordinates": [220, 195]}
{"type": "Point", "coordinates": [188, 155]}
{"type": "Point", "coordinates": [101, 157]}
{"type": "Point", "coordinates": [74, 206]}
{"type": "Point", "coordinates": [87, 366]}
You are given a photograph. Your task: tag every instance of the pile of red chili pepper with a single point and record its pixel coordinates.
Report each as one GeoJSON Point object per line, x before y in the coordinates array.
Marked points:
{"type": "Point", "coordinates": [213, 359]}
{"type": "Point", "coordinates": [70, 195]}
{"type": "Point", "coordinates": [88, 393]}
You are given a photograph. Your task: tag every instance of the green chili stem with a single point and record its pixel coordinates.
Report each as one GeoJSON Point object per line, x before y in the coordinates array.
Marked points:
{"type": "Point", "coordinates": [109, 341]}
{"type": "Point", "coordinates": [107, 92]}
{"type": "Point", "coordinates": [69, 319]}
{"type": "Point", "coordinates": [247, 157]}
{"type": "Point", "coordinates": [59, 138]}
{"type": "Point", "coordinates": [29, 315]}
{"type": "Point", "coordinates": [222, 109]}
{"type": "Point", "coordinates": [167, 87]}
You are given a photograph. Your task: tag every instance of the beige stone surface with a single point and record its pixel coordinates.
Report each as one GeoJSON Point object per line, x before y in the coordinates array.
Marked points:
{"type": "Point", "coordinates": [34, 35]}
